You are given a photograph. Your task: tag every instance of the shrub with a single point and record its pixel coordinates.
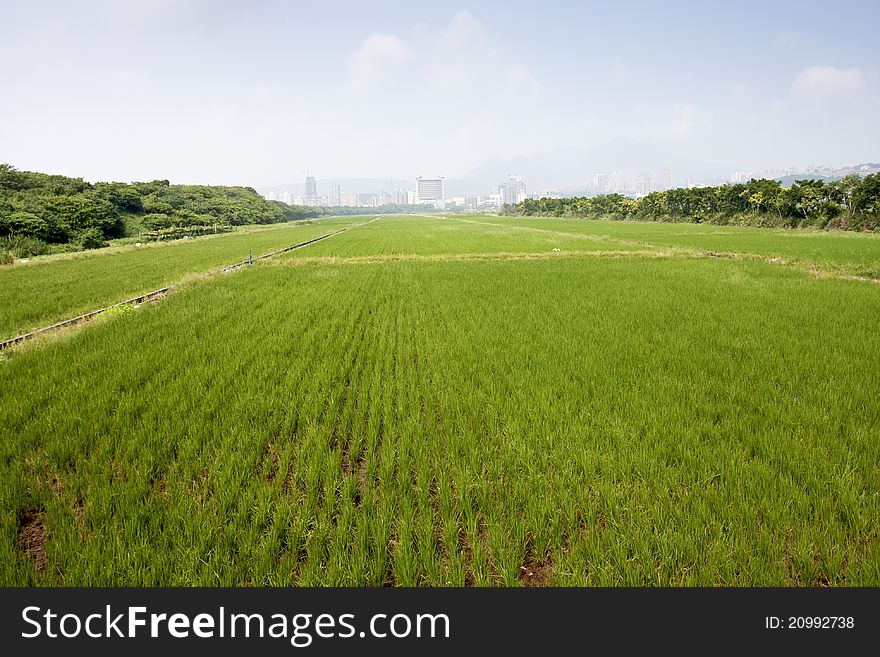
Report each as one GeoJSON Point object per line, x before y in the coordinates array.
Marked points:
{"type": "Point", "coordinates": [21, 246]}
{"type": "Point", "coordinates": [26, 224]}
{"type": "Point", "coordinates": [92, 238]}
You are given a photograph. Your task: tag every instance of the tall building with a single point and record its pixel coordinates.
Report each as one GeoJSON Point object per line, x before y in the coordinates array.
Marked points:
{"type": "Point", "coordinates": [348, 199]}
{"type": "Point", "coordinates": [431, 190]}
{"type": "Point", "coordinates": [368, 200]}
{"type": "Point", "coordinates": [600, 182]}
{"type": "Point", "coordinates": [742, 177]}
{"type": "Point", "coordinates": [514, 190]}
{"type": "Point", "coordinates": [666, 179]}
{"type": "Point", "coordinates": [311, 194]}
{"type": "Point", "coordinates": [285, 197]}
{"type": "Point", "coordinates": [334, 198]}
{"type": "Point", "coordinates": [403, 197]}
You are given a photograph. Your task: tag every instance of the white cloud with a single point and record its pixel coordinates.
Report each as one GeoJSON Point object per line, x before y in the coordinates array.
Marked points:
{"type": "Point", "coordinates": [829, 80]}
{"type": "Point", "coordinates": [379, 57]}
{"type": "Point", "coordinates": [438, 99]}
{"type": "Point", "coordinates": [456, 59]}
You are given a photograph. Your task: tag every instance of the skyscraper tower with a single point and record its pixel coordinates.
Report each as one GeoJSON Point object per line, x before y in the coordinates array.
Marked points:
{"type": "Point", "coordinates": [334, 196]}
{"type": "Point", "coordinates": [311, 194]}
{"type": "Point", "coordinates": [514, 190]}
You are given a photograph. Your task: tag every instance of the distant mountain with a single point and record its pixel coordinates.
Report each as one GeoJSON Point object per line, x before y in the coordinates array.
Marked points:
{"type": "Point", "coordinates": [568, 168]}
{"type": "Point", "coordinates": [788, 181]}
{"type": "Point", "coordinates": [575, 167]}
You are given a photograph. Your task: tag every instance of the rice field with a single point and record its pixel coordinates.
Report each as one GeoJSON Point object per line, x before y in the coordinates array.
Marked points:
{"type": "Point", "coordinates": [406, 236]}
{"type": "Point", "coordinates": [843, 252]}
{"type": "Point", "coordinates": [452, 402]}
{"type": "Point", "coordinates": [51, 289]}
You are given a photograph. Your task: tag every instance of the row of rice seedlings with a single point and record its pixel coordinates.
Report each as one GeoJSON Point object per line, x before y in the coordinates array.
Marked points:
{"type": "Point", "coordinates": [658, 405]}
{"type": "Point", "coordinates": [41, 293]}
{"type": "Point", "coordinates": [416, 235]}
{"type": "Point", "coordinates": [844, 251]}
{"type": "Point", "coordinates": [568, 422]}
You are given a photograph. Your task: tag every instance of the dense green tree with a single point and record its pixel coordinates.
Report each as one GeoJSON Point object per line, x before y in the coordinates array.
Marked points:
{"type": "Point", "coordinates": [852, 203]}
{"type": "Point", "coordinates": [36, 208]}
{"type": "Point", "coordinates": [122, 196]}
{"type": "Point", "coordinates": [91, 238]}
{"type": "Point", "coordinates": [866, 196]}
{"type": "Point", "coordinates": [76, 213]}
{"type": "Point", "coordinates": [24, 224]}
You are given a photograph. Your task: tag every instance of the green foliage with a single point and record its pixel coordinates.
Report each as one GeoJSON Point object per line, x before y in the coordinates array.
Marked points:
{"type": "Point", "coordinates": [158, 220]}
{"type": "Point", "coordinates": [124, 310]}
{"type": "Point", "coordinates": [122, 196]}
{"type": "Point", "coordinates": [77, 213]}
{"type": "Point", "coordinates": [91, 238]}
{"type": "Point", "coordinates": [25, 224]}
{"type": "Point", "coordinates": [852, 203]}
{"type": "Point", "coordinates": [61, 210]}
{"type": "Point", "coordinates": [177, 232]}
{"type": "Point", "coordinates": [24, 246]}
{"type": "Point", "coordinates": [866, 196]}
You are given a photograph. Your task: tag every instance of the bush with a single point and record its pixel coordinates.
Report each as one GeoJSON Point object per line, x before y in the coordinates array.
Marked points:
{"type": "Point", "coordinates": [26, 224]}
{"type": "Point", "coordinates": [21, 246]}
{"type": "Point", "coordinates": [92, 238]}
{"type": "Point", "coordinates": [157, 221]}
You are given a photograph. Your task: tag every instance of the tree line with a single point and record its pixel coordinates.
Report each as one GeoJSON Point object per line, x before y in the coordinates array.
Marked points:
{"type": "Point", "coordinates": [852, 203]}
{"type": "Point", "coordinates": [42, 213]}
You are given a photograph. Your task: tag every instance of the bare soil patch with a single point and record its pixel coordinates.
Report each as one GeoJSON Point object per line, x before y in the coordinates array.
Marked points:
{"type": "Point", "coordinates": [535, 570]}
{"type": "Point", "coordinates": [32, 537]}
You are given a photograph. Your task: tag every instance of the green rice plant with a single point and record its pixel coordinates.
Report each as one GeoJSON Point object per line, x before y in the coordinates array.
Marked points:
{"type": "Point", "coordinates": [579, 420]}
{"type": "Point", "coordinates": [839, 251]}
{"type": "Point", "coordinates": [45, 291]}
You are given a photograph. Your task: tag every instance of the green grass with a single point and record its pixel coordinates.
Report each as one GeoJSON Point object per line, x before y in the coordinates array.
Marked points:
{"type": "Point", "coordinates": [405, 236]}
{"type": "Point", "coordinates": [438, 420]}
{"type": "Point", "coordinates": [48, 290]}
{"type": "Point", "coordinates": [842, 251]}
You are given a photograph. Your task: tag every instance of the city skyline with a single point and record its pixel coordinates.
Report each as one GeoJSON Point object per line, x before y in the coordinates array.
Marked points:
{"type": "Point", "coordinates": [232, 98]}
{"type": "Point", "coordinates": [513, 190]}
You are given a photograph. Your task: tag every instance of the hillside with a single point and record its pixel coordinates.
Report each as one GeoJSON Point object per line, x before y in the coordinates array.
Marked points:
{"type": "Point", "coordinates": [42, 213]}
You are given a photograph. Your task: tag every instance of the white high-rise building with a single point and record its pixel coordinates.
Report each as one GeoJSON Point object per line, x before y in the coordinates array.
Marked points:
{"type": "Point", "coordinates": [333, 198]}
{"type": "Point", "coordinates": [514, 190]}
{"type": "Point", "coordinates": [742, 176]}
{"type": "Point", "coordinates": [431, 190]}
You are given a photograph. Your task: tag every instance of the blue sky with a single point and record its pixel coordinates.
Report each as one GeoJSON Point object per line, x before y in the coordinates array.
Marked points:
{"type": "Point", "coordinates": [256, 92]}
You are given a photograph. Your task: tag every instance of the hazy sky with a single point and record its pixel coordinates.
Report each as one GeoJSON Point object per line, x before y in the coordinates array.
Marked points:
{"type": "Point", "coordinates": [256, 92]}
